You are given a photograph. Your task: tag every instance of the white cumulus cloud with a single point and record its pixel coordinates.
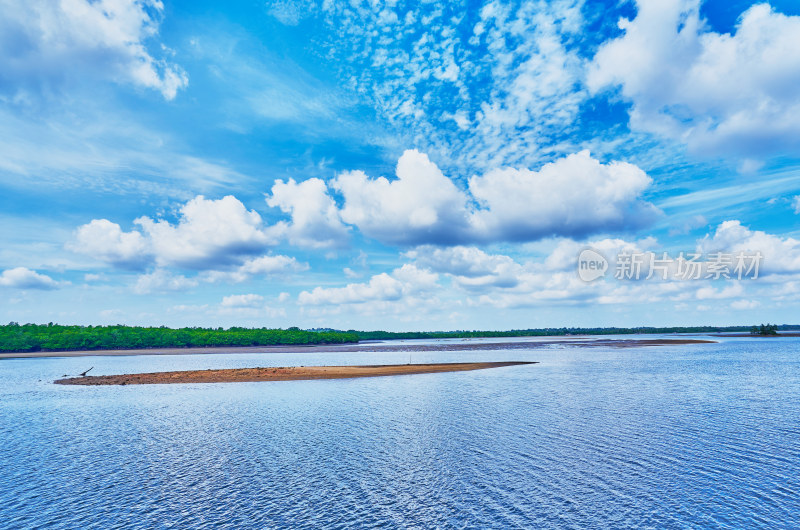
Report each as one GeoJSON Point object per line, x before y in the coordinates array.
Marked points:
{"type": "Point", "coordinates": [421, 204]}
{"type": "Point", "coordinates": [380, 287]}
{"type": "Point", "coordinates": [242, 300]}
{"type": "Point", "coordinates": [470, 267]}
{"type": "Point", "coordinates": [780, 254]}
{"type": "Point", "coordinates": [315, 220]}
{"type": "Point", "coordinates": [573, 196]}
{"type": "Point", "coordinates": [208, 234]}
{"type": "Point", "coordinates": [720, 93]}
{"type": "Point", "coordinates": [161, 280]}
{"type": "Point", "coordinates": [745, 304]}
{"type": "Point", "coordinates": [24, 278]}
{"type": "Point", "coordinates": [277, 265]}
{"type": "Point", "coordinates": [106, 241]}
{"type": "Point", "coordinates": [221, 237]}
{"type": "Point", "coordinates": [405, 281]}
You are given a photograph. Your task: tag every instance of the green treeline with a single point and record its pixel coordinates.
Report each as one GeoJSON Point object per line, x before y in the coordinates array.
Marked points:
{"type": "Point", "coordinates": [545, 332]}
{"type": "Point", "coordinates": [52, 337]}
{"type": "Point", "coordinates": [33, 337]}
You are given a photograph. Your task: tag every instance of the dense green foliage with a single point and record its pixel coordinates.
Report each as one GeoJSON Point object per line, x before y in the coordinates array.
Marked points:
{"type": "Point", "coordinates": [768, 329]}
{"type": "Point", "coordinates": [52, 337]}
{"type": "Point", "coordinates": [33, 337]}
{"type": "Point", "coordinates": [544, 332]}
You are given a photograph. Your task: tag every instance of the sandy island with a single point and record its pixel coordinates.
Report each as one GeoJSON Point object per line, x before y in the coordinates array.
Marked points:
{"type": "Point", "coordinates": [290, 373]}
{"type": "Point", "coordinates": [381, 347]}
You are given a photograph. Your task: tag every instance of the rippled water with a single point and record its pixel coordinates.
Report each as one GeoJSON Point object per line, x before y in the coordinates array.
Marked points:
{"type": "Point", "coordinates": [681, 436]}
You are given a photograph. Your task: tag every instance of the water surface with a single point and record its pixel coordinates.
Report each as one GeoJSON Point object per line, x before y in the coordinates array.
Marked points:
{"type": "Point", "coordinates": [664, 437]}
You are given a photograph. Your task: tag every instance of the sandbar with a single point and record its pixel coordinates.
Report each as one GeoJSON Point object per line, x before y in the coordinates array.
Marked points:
{"type": "Point", "coordinates": [286, 373]}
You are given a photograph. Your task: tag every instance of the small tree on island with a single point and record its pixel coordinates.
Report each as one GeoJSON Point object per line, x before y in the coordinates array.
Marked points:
{"type": "Point", "coordinates": [764, 330]}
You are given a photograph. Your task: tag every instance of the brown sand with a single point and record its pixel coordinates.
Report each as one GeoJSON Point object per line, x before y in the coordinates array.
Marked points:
{"type": "Point", "coordinates": [291, 373]}
{"type": "Point", "coordinates": [388, 346]}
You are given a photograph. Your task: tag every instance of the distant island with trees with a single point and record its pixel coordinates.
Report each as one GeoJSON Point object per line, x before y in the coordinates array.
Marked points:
{"type": "Point", "coordinates": [764, 330]}
{"type": "Point", "coordinates": [15, 337]}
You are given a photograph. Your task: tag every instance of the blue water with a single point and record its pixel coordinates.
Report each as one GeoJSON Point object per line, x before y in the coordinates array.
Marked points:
{"type": "Point", "coordinates": [698, 436]}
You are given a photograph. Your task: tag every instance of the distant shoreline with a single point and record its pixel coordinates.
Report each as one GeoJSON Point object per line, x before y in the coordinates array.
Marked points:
{"type": "Point", "coordinates": [372, 346]}
{"type": "Point", "coordinates": [20, 340]}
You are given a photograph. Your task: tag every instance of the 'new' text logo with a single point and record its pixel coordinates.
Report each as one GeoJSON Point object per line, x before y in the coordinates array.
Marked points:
{"type": "Point", "coordinates": [591, 265]}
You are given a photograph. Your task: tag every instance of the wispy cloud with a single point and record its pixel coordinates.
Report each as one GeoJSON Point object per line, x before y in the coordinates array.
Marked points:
{"type": "Point", "coordinates": [50, 43]}
{"type": "Point", "coordinates": [101, 152]}
{"type": "Point", "coordinates": [474, 89]}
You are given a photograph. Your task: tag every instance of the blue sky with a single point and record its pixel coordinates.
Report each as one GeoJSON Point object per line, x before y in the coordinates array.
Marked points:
{"type": "Point", "coordinates": [394, 165]}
